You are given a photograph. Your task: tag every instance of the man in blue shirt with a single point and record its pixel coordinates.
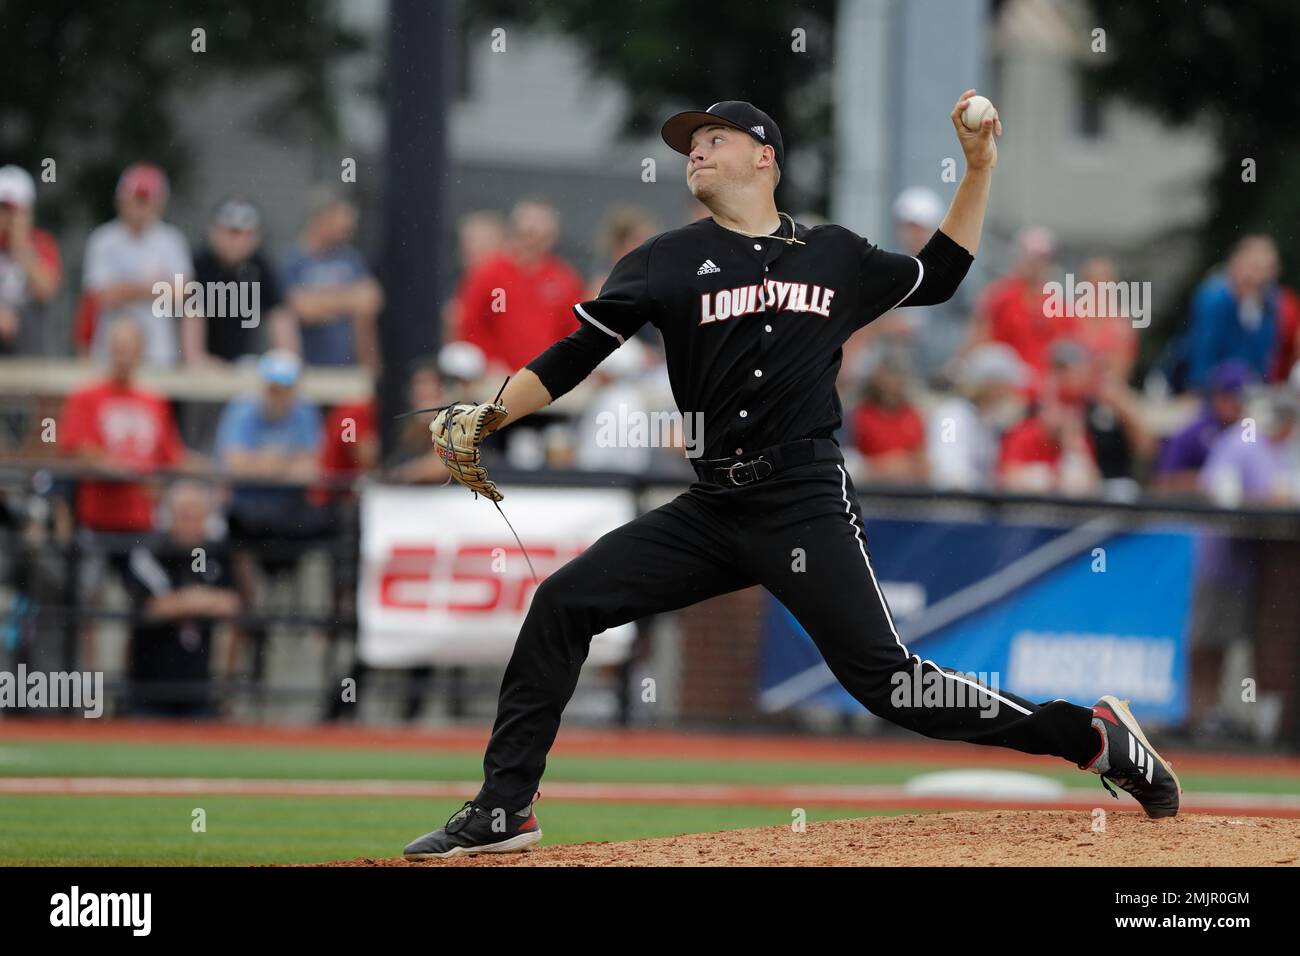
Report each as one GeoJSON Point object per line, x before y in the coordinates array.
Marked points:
{"type": "Point", "coordinates": [330, 290]}
{"type": "Point", "coordinates": [1235, 313]}
{"type": "Point", "coordinates": [272, 439]}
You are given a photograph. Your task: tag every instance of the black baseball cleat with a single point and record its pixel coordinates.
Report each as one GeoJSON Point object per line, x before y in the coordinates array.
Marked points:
{"type": "Point", "coordinates": [478, 829]}
{"type": "Point", "coordinates": [1127, 759]}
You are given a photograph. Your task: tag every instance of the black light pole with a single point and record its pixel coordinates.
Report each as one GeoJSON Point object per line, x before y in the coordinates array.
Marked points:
{"type": "Point", "coordinates": [420, 71]}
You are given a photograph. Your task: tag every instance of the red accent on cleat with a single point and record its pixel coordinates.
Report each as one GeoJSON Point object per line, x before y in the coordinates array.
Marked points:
{"type": "Point", "coordinates": [1105, 713]}
{"type": "Point", "coordinates": [1100, 750]}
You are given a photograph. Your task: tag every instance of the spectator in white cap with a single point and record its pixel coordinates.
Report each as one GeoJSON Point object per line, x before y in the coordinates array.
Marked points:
{"type": "Point", "coordinates": [932, 335]}
{"type": "Point", "coordinates": [965, 429]}
{"type": "Point", "coordinates": [918, 211]}
{"type": "Point", "coordinates": [604, 439]}
{"type": "Point", "coordinates": [126, 258]}
{"type": "Point", "coordinates": [461, 363]}
{"type": "Point", "coordinates": [30, 270]}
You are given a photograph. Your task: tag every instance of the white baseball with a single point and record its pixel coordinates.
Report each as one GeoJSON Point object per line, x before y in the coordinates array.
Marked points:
{"type": "Point", "coordinates": [977, 111]}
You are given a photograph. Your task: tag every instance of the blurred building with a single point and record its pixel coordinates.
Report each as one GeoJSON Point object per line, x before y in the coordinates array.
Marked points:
{"type": "Point", "coordinates": [1101, 175]}
{"type": "Point", "coordinates": [535, 121]}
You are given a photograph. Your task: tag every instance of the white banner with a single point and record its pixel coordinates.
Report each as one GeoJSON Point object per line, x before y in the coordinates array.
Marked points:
{"type": "Point", "coordinates": [443, 581]}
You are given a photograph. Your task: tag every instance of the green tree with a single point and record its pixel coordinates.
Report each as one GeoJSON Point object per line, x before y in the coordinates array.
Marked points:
{"type": "Point", "coordinates": [681, 52]}
{"type": "Point", "coordinates": [88, 83]}
{"type": "Point", "coordinates": [1225, 62]}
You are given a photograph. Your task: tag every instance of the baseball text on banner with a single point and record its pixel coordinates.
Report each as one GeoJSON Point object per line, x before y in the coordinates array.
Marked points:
{"type": "Point", "coordinates": [1046, 613]}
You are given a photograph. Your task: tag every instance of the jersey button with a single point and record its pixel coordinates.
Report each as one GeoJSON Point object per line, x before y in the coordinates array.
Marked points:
{"type": "Point", "coordinates": [767, 328]}
{"type": "Point", "coordinates": [758, 373]}
{"type": "Point", "coordinates": [758, 247]}
{"type": "Point", "coordinates": [744, 414]}
{"type": "Point", "coordinates": [740, 451]}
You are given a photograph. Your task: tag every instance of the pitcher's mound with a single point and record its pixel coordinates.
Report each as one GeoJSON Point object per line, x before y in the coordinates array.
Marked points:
{"type": "Point", "coordinates": [987, 838]}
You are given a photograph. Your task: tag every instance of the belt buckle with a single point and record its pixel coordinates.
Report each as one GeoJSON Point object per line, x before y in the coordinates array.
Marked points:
{"type": "Point", "coordinates": [731, 473]}
{"type": "Point", "coordinates": [754, 474]}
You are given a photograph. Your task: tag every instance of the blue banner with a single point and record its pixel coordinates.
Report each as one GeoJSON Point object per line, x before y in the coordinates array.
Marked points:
{"type": "Point", "coordinates": [1072, 613]}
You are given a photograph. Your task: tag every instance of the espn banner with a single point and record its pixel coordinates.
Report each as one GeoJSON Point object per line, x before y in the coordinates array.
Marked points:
{"type": "Point", "coordinates": [442, 580]}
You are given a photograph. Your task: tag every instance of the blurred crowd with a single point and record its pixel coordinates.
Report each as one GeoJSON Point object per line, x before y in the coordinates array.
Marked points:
{"type": "Point", "coordinates": [1001, 391]}
{"type": "Point", "coordinates": [992, 391]}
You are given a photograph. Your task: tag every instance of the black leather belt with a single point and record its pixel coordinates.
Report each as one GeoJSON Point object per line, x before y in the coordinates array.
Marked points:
{"type": "Point", "coordinates": [747, 469]}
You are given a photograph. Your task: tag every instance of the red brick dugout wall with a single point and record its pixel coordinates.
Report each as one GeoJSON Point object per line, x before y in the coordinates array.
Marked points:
{"type": "Point", "coordinates": [720, 643]}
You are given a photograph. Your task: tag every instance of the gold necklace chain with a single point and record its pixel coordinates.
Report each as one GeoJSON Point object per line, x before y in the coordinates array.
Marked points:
{"type": "Point", "coordinates": [768, 235]}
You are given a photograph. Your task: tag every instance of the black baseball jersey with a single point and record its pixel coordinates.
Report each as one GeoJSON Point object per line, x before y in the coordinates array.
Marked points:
{"type": "Point", "coordinates": [752, 327]}
{"type": "Point", "coordinates": [753, 330]}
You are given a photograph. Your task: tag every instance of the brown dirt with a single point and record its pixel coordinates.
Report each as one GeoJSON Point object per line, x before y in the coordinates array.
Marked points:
{"type": "Point", "coordinates": [996, 838]}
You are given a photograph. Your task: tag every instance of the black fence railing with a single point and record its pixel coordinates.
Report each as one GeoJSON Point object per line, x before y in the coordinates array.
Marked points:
{"type": "Point", "coordinates": [44, 555]}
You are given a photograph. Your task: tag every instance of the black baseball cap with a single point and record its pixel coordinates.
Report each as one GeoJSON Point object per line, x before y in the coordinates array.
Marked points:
{"type": "Point", "coordinates": [744, 116]}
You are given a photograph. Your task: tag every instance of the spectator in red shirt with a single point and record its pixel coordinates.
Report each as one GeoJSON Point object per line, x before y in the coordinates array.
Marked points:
{"type": "Point", "coordinates": [350, 447]}
{"type": "Point", "coordinates": [479, 235]}
{"type": "Point", "coordinates": [1111, 340]}
{"type": "Point", "coordinates": [30, 270]}
{"type": "Point", "coordinates": [1049, 452]}
{"type": "Point", "coordinates": [1288, 334]}
{"type": "Point", "coordinates": [1012, 308]}
{"type": "Point", "coordinates": [121, 432]}
{"type": "Point", "coordinates": [520, 300]}
{"type": "Point", "coordinates": [888, 430]}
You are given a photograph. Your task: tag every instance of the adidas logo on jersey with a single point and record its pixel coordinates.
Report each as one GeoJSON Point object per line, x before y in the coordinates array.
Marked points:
{"type": "Point", "coordinates": [707, 268]}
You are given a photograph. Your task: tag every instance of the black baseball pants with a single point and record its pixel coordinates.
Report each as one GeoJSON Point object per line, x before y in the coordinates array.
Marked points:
{"type": "Point", "coordinates": [711, 540]}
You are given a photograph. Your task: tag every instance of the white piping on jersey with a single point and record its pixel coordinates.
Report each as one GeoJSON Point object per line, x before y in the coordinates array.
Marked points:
{"type": "Point", "coordinates": [920, 274]}
{"type": "Point", "coordinates": [148, 570]}
{"type": "Point", "coordinates": [605, 329]}
{"type": "Point", "coordinates": [857, 533]}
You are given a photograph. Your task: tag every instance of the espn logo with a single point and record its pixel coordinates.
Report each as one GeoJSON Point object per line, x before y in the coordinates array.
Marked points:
{"type": "Point", "coordinates": [471, 579]}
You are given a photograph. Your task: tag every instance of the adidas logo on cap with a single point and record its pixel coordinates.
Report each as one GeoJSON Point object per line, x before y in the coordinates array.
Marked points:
{"type": "Point", "coordinates": [759, 131]}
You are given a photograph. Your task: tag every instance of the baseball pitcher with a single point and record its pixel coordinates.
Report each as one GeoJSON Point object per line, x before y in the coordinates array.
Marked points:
{"type": "Point", "coordinates": [754, 309]}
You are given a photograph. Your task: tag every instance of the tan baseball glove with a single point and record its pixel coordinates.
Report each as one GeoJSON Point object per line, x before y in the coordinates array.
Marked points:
{"type": "Point", "coordinates": [458, 431]}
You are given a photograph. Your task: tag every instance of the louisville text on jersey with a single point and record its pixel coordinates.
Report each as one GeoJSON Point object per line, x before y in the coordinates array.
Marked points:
{"type": "Point", "coordinates": [767, 296]}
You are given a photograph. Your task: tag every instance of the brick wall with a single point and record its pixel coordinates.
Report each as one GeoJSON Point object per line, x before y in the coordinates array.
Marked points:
{"type": "Point", "coordinates": [719, 659]}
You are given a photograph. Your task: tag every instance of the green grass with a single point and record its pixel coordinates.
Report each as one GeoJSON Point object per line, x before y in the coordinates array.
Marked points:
{"type": "Point", "coordinates": [128, 831]}
{"type": "Point", "coordinates": [46, 758]}
{"type": "Point", "coordinates": [106, 830]}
